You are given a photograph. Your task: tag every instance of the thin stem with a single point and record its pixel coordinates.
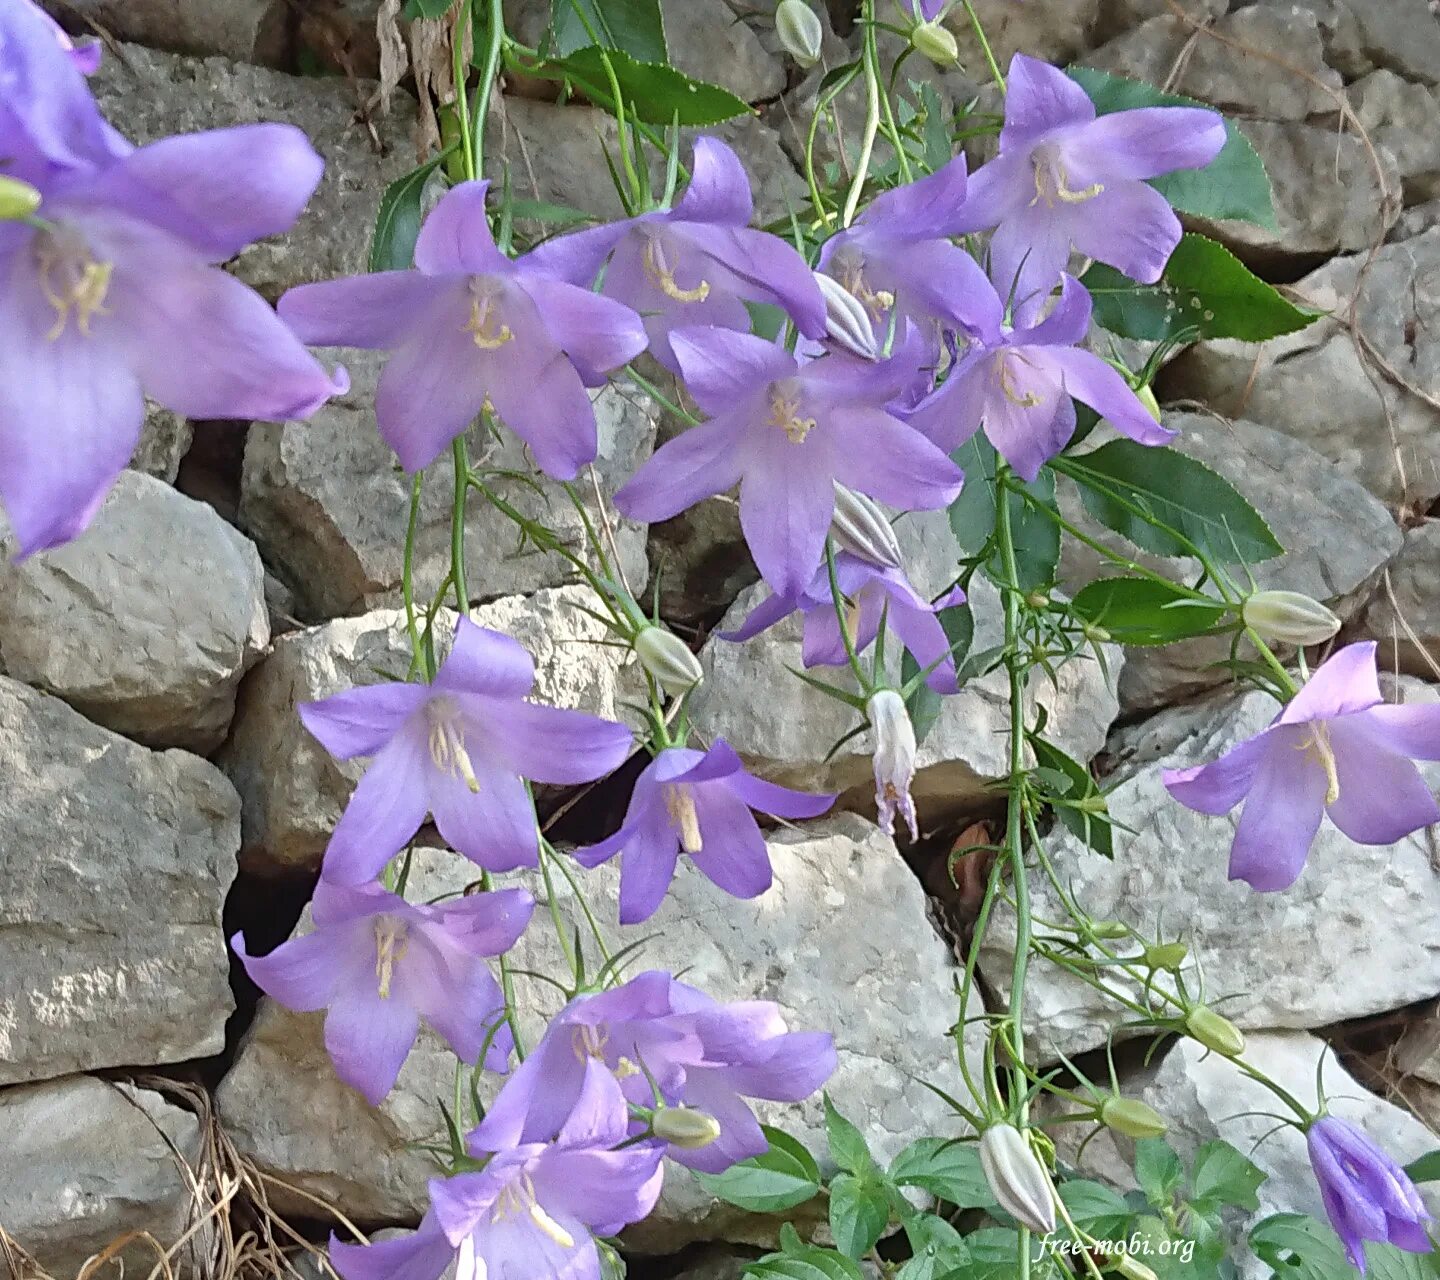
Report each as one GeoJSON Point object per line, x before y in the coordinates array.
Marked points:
{"type": "Point", "coordinates": [995, 73]}
{"type": "Point", "coordinates": [872, 120]}
{"type": "Point", "coordinates": [469, 159]}
{"type": "Point", "coordinates": [488, 72]}
{"type": "Point", "coordinates": [1287, 682]}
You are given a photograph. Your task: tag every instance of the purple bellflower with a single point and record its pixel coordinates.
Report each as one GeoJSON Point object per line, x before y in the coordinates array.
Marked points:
{"type": "Point", "coordinates": [85, 56]}
{"type": "Point", "coordinates": [457, 749]}
{"type": "Point", "coordinates": [698, 802]}
{"type": "Point", "coordinates": [472, 330]}
{"type": "Point", "coordinates": [1066, 178]}
{"type": "Point", "coordinates": [378, 964]}
{"type": "Point", "coordinates": [700, 1054]}
{"type": "Point", "coordinates": [696, 264]}
{"type": "Point", "coordinates": [1017, 385]}
{"type": "Point", "coordinates": [533, 1210]}
{"type": "Point", "coordinates": [1367, 1195]}
{"type": "Point", "coordinates": [785, 432]}
{"type": "Point", "coordinates": [1336, 748]}
{"type": "Point", "coordinates": [871, 592]}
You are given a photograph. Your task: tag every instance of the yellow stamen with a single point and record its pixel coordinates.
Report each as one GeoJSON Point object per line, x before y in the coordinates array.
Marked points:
{"type": "Point", "coordinates": [390, 944]}
{"type": "Point", "coordinates": [551, 1228]}
{"type": "Point", "coordinates": [71, 280]}
{"type": "Point", "coordinates": [624, 1069]}
{"type": "Point", "coordinates": [785, 414]}
{"type": "Point", "coordinates": [447, 742]}
{"type": "Point", "coordinates": [680, 804]}
{"type": "Point", "coordinates": [486, 329]}
{"type": "Point", "coordinates": [849, 267]}
{"type": "Point", "coordinates": [589, 1041]}
{"type": "Point", "coordinates": [1027, 400]}
{"type": "Point", "coordinates": [659, 270]}
{"type": "Point", "coordinates": [1052, 182]}
{"type": "Point", "coordinates": [1317, 745]}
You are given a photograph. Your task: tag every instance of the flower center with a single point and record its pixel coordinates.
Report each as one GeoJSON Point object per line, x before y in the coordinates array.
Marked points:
{"type": "Point", "coordinates": [589, 1041]}
{"type": "Point", "coordinates": [447, 742]}
{"type": "Point", "coordinates": [1005, 373]}
{"type": "Point", "coordinates": [390, 944]}
{"type": "Point", "coordinates": [72, 279]}
{"type": "Point", "coordinates": [785, 413]}
{"type": "Point", "coordinates": [680, 805]}
{"type": "Point", "coordinates": [850, 271]}
{"type": "Point", "coordinates": [518, 1197]}
{"type": "Point", "coordinates": [1317, 746]}
{"type": "Point", "coordinates": [486, 326]}
{"type": "Point", "coordinates": [657, 267]}
{"type": "Point", "coordinates": [1052, 182]}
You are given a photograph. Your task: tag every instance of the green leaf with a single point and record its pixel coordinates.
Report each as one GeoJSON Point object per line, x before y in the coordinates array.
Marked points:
{"type": "Point", "coordinates": [636, 27]}
{"type": "Point", "coordinates": [1301, 1248]}
{"type": "Point", "coordinates": [1221, 1175]}
{"type": "Point", "coordinates": [972, 515]}
{"type": "Point", "coordinates": [1233, 185]}
{"type": "Point", "coordinates": [848, 1147]}
{"type": "Point", "coordinates": [924, 703]}
{"type": "Point", "coordinates": [1171, 490]}
{"type": "Point", "coordinates": [1096, 1208]}
{"type": "Point", "coordinates": [652, 91]}
{"type": "Point", "coordinates": [1092, 828]}
{"type": "Point", "coordinates": [397, 224]}
{"type": "Point", "coordinates": [859, 1213]}
{"type": "Point", "coordinates": [426, 9]}
{"type": "Point", "coordinates": [936, 1248]}
{"type": "Point", "coordinates": [786, 1175]}
{"type": "Point", "coordinates": [1205, 289]}
{"type": "Point", "coordinates": [805, 1262]}
{"type": "Point", "coordinates": [1143, 611]}
{"type": "Point", "coordinates": [1425, 1169]}
{"type": "Point", "coordinates": [993, 1255]}
{"type": "Point", "coordinates": [947, 1169]}
{"type": "Point", "coordinates": [1158, 1171]}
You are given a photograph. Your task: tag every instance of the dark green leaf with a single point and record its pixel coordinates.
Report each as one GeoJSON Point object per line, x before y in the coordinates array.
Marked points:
{"type": "Point", "coordinates": [859, 1213]}
{"type": "Point", "coordinates": [1220, 1176]}
{"type": "Point", "coordinates": [1425, 1169]}
{"type": "Point", "coordinates": [1092, 828]}
{"type": "Point", "coordinates": [947, 1169]}
{"type": "Point", "coordinates": [972, 516]}
{"type": "Point", "coordinates": [994, 1252]}
{"type": "Point", "coordinates": [937, 1249]}
{"type": "Point", "coordinates": [923, 702]}
{"type": "Point", "coordinates": [805, 1262]}
{"type": "Point", "coordinates": [652, 91]}
{"type": "Point", "coordinates": [1300, 1248]}
{"type": "Point", "coordinates": [1143, 611]}
{"type": "Point", "coordinates": [786, 1175]}
{"type": "Point", "coordinates": [1158, 1171]}
{"type": "Point", "coordinates": [635, 27]}
{"type": "Point", "coordinates": [426, 8]}
{"type": "Point", "coordinates": [848, 1147]}
{"type": "Point", "coordinates": [397, 224]}
{"type": "Point", "coordinates": [1205, 289]}
{"type": "Point", "coordinates": [1097, 1209]}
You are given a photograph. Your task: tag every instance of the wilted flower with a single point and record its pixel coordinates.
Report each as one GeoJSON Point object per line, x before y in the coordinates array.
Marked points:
{"type": "Point", "coordinates": [379, 964]}
{"type": "Point", "coordinates": [1289, 617]}
{"type": "Point", "coordinates": [1336, 748]}
{"type": "Point", "coordinates": [697, 803]}
{"type": "Point", "coordinates": [1367, 1195]}
{"type": "Point", "coordinates": [668, 659]}
{"type": "Point", "coordinates": [458, 749]}
{"type": "Point", "coordinates": [1017, 1179]}
{"type": "Point", "coordinates": [861, 528]}
{"type": "Point", "coordinates": [894, 760]}
{"type": "Point", "coordinates": [847, 323]}
{"type": "Point", "coordinates": [798, 27]}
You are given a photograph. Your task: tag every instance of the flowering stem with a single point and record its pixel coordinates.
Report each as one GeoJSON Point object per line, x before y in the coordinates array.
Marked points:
{"type": "Point", "coordinates": [495, 29]}
{"type": "Point", "coordinates": [872, 118]}
{"type": "Point", "coordinates": [1285, 679]}
{"type": "Point", "coordinates": [995, 73]}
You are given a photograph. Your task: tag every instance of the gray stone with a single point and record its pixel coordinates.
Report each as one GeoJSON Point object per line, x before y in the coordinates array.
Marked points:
{"type": "Point", "coordinates": [708, 42]}
{"type": "Point", "coordinates": [341, 34]}
{"type": "Point", "coordinates": [294, 793]}
{"type": "Point", "coordinates": [1052, 30]}
{"type": "Point", "coordinates": [151, 95]}
{"type": "Point", "coordinates": [164, 440]}
{"type": "Point", "coordinates": [1119, 16]}
{"type": "Point", "coordinates": [1258, 950]}
{"type": "Point", "coordinates": [1415, 221]}
{"type": "Point", "coordinates": [1324, 387]}
{"type": "Point", "coordinates": [246, 30]}
{"type": "Point", "coordinates": [1405, 613]}
{"type": "Point", "coordinates": [89, 1161]}
{"type": "Point", "coordinates": [146, 622]}
{"type": "Point", "coordinates": [328, 504]}
{"type": "Point", "coordinates": [115, 861]}
{"type": "Point", "coordinates": [1361, 35]}
{"type": "Point", "coordinates": [841, 942]}
{"type": "Point", "coordinates": [1404, 118]}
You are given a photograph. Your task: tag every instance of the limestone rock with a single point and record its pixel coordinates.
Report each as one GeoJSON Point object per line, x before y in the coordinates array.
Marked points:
{"type": "Point", "coordinates": [163, 442]}
{"type": "Point", "coordinates": [88, 1161]}
{"type": "Point", "coordinates": [1405, 618]}
{"type": "Point", "coordinates": [1257, 949]}
{"type": "Point", "coordinates": [115, 861]}
{"type": "Point", "coordinates": [707, 42]}
{"type": "Point", "coordinates": [246, 30]}
{"type": "Point", "coordinates": [1052, 30]}
{"type": "Point", "coordinates": [1404, 118]}
{"type": "Point", "coordinates": [328, 504]}
{"type": "Point", "coordinates": [146, 622]}
{"type": "Point", "coordinates": [1119, 16]}
{"type": "Point", "coordinates": [1360, 35]}
{"type": "Point", "coordinates": [1415, 221]}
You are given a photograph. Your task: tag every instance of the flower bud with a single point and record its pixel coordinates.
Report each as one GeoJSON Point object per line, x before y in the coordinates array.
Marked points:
{"type": "Point", "coordinates": [1095, 634]}
{"type": "Point", "coordinates": [1214, 1032]}
{"type": "Point", "coordinates": [799, 30]}
{"type": "Point", "coordinates": [1132, 1117]}
{"type": "Point", "coordinates": [847, 323]}
{"type": "Point", "coordinates": [1126, 1266]}
{"type": "Point", "coordinates": [1289, 617]}
{"type": "Point", "coordinates": [1166, 955]}
{"type": "Point", "coordinates": [1109, 929]}
{"type": "Point", "coordinates": [1146, 396]}
{"type": "Point", "coordinates": [860, 527]}
{"type": "Point", "coordinates": [1038, 599]}
{"type": "Point", "coordinates": [666, 657]}
{"type": "Point", "coordinates": [936, 43]}
{"type": "Point", "coordinates": [17, 199]}
{"type": "Point", "coordinates": [684, 1127]}
{"type": "Point", "coordinates": [1017, 1178]}
{"type": "Point", "coordinates": [894, 760]}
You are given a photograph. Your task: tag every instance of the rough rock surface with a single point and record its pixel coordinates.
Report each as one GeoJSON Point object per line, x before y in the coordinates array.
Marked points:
{"type": "Point", "coordinates": [146, 623]}
{"type": "Point", "coordinates": [163, 442]}
{"type": "Point", "coordinates": [1054, 31]}
{"type": "Point", "coordinates": [1360, 36]}
{"type": "Point", "coordinates": [1404, 616]}
{"type": "Point", "coordinates": [115, 862]}
{"type": "Point", "coordinates": [246, 30]}
{"type": "Point", "coordinates": [1404, 118]}
{"type": "Point", "coordinates": [842, 942]}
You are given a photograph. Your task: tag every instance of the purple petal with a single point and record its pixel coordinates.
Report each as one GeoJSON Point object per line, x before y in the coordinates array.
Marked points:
{"type": "Point", "coordinates": [1129, 226]}
{"type": "Point", "coordinates": [563, 747]}
{"type": "Point", "coordinates": [420, 1255]}
{"type": "Point", "coordinates": [921, 632]}
{"type": "Point", "coordinates": [684, 764]}
{"type": "Point", "coordinates": [787, 497]}
{"type": "Point", "coordinates": [740, 1133]}
{"type": "Point", "coordinates": [800, 1062]}
{"type": "Point", "coordinates": [455, 239]}
{"type": "Point", "coordinates": [358, 722]}
{"type": "Point", "coordinates": [1148, 142]}
{"type": "Point", "coordinates": [486, 662]}
{"type": "Point", "coordinates": [892, 462]}
{"type": "Point", "coordinates": [374, 312]}
{"type": "Point", "coordinates": [722, 368]}
{"type": "Point", "coordinates": [732, 852]}
{"type": "Point", "coordinates": [1028, 436]}
{"type": "Point", "coordinates": [647, 866]}
{"type": "Point", "coordinates": [301, 974]}
{"type": "Point", "coordinates": [1091, 381]}
{"type": "Point", "coordinates": [1282, 813]}
{"type": "Point", "coordinates": [778, 801]}
{"type": "Point", "coordinates": [1029, 253]}
{"type": "Point", "coordinates": [386, 809]}
{"type": "Point", "coordinates": [922, 210]}
{"type": "Point", "coordinates": [577, 257]}
{"type": "Point", "coordinates": [458, 997]}
{"type": "Point", "coordinates": [606, 1190]}
{"type": "Point", "coordinates": [1067, 323]}
{"type": "Point", "coordinates": [698, 463]}
{"type": "Point", "coordinates": [1217, 787]}
{"type": "Point", "coordinates": [762, 617]}
{"type": "Point", "coordinates": [764, 268]}
{"type": "Point", "coordinates": [953, 413]}
{"type": "Point", "coordinates": [368, 1039]}
{"type": "Point", "coordinates": [719, 190]}
{"type": "Point", "coordinates": [488, 924]}
{"type": "Point", "coordinates": [600, 1116]}
{"type": "Point", "coordinates": [598, 334]}
{"type": "Point", "coordinates": [944, 282]}
{"type": "Point", "coordinates": [1344, 683]}
{"type": "Point", "coordinates": [536, 1098]}
{"type": "Point", "coordinates": [1382, 796]}
{"type": "Point", "coordinates": [1413, 730]}
{"type": "Point", "coordinates": [494, 827]}
{"type": "Point", "coordinates": [1038, 98]}
{"type": "Point", "coordinates": [997, 191]}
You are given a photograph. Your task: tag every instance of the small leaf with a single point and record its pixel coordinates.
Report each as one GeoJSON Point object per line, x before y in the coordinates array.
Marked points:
{"type": "Point", "coordinates": [1158, 1171]}
{"type": "Point", "coordinates": [947, 1169]}
{"type": "Point", "coordinates": [784, 1176]}
{"type": "Point", "coordinates": [859, 1213]}
{"type": "Point", "coordinates": [937, 1249]}
{"type": "Point", "coordinates": [1096, 1208]}
{"type": "Point", "coordinates": [1141, 611]}
{"type": "Point", "coordinates": [973, 513]}
{"type": "Point", "coordinates": [1425, 1169]}
{"type": "Point", "coordinates": [923, 703]}
{"type": "Point", "coordinates": [397, 223]}
{"type": "Point", "coordinates": [1091, 827]}
{"type": "Point", "coordinates": [1222, 1176]}
{"type": "Point", "coordinates": [848, 1147]}
{"type": "Point", "coordinates": [1301, 1248]}
{"type": "Point", "coordinates": [805, 1262]}
{"type": "Point", "coordinates": [636, 27]}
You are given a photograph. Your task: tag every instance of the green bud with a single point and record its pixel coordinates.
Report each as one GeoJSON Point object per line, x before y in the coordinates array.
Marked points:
{"type": "Point", "coordinates": [1289, 617]}
{"type": "Point", "coordinates": [799, 31]}
{"type": "Point", "coordinates": [1132, 1117]}
{"type": "Point", "coordinates": [668, 658]}
{"type": "Point", "coordinates": [1214, 1031]}
{"type": "Point", "coordinates": [1166, 955]}
{"type": "Point", "coordinates": [17, 199]}
{"type": "Point", "coordinates": [936, 43]}
{"type": "Point", "coordinates": [1038, 600]}
{"type": "Point", "coordinates": [1095, 634]}
{"type": "Point", "coordinates": [1109, 929]}
{"type": "Point", "coordinates": [1146, 396]}
{"type": "Point", "coordinates": [685, 1127]}
{"type": "Point", "coordinates": [1126, 1266]}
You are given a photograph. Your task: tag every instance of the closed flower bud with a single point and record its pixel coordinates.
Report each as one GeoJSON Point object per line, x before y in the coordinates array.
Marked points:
{"type": "Point", "coordinates": [1126, 1266]}
{"type": "Point", "coordinates": [1132, 1117]}
{"type": "Point", "coordinates": [1109, 929]}
{"type": "Point", "coordinates": [799, 30]}
{"type": "Point", "coordinates": [1017, 1178]}
{"type": "Point", "coordinates": [17, 199]}
{"type": "Point", "coordinates": [936, 43]}
{"type": "Point", "coordinates": [894, 760]}
{"type": "Point", "coordinates": [684, 1127]}
{"type": "Point", "coordinates": [860, 527]}
{"type": "Point", "coordinates": [1146, 396]}
{"type": "Point", "coordinates": [1289, 617]}
{"type": "Point", "coordinates": [1038, 600]}
{"type": "Point", "coordinates": [1214, 1032]}
{"type": "Point", "coordinates": [665, 656]}
{"type": "Point", "coordinates": [1166, 955]}
{"type": "Point", "coordinates": [1095, 634]}
{"type": "Point", "coordinates": [847, 323]}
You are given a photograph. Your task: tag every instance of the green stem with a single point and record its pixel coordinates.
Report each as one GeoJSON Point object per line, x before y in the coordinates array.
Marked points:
{"type": "Point", "coordinates": [995, 73]}
{"type": "Point", "coordinates": [1286, 680]}
{"type": "Point", "coordinates": [488, 73]}
{"type": "Point", "coordinates": [872, 121]}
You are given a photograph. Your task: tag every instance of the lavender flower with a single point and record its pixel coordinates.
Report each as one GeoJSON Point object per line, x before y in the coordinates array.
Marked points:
{"type": "Point", "coordinates": [1017, 385]}
{"type": "Point", "coordinates": [379, 964]}
{"type": "Point", "coordinates": [696, 264]}
{"type": "Point", "coordinates": [785, 432]}
{"type": "Point", "coordinates": [1367, 1195]}
{"type": "Point", "coordinates": [1065, 178]}
{"type": "Point", "coordinates": [457, 749]}
{"type": "Point", "coordinates": [472, 331]}
{"type": "Point", "coordinates": [84, 56]}
{"type": "Point", "coordinates": [871, 592]}
{"type": "Point", "coordinates": [894, 760]}
{"type": "Point", "coordinates": [699, 803]}
{"type": "Point", "coordinates": [1336, 748]}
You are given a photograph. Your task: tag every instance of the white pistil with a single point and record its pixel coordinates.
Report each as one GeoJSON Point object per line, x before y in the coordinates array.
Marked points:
{"type": "Point", "coordinates": [680, 804]}
{"type": "Point", "coordinates": [1317, 745]}
{"type": "Point", "coordinates": [519, 1196]}
{"type": "Point", "coordinates": [486, 328]}
{"type": "Point", "coordinates": [390, 944]}
{"type": "Point", "coordinates": [71, 279]}
{"type": "Point", "coordinates": [550, 1227]}
{"type": "Point", "coordinates": [660, 271]}
{"type": "Point", "coordinates": [447, 742]}
{"type": "Point", "coordinates": [785, 414]}
{"type": "Point", "coordinates": [1052, 183]}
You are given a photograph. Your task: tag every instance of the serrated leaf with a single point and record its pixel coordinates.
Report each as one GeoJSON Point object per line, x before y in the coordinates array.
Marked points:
{"type": "Point", "coordinates": [397, 222]}
{"type": "Point", "coordinates": [1425, 1169]}
{"type": "Point", "coordinates": [1092, 828]}
{"type": "Point", "coordinates": [805, 1262]}
{"type": "Point", "coordinates": [636, 27]}
{"type": "Point", "coordinates": [1301, 1248]}
{"type": "Point", "coordinates": [652, 91]}
{"type": "Point", "coordinates": [973, 513]}
{"type": "Point", "coordinates": [784, 1176]}
{"type": "Point", "coordinates": [859, 1213]}
{"type": "Point", "coordinates": [1158, 1171]}
{"type": "Point", "coordinates": [848, 1147]}
{"type": "Point", "coordinates": [947, 1169]}
{"type": "Point", "coordinates": [1141, 611]}
{"type": "Point", "coordinates": [1220, 1175]}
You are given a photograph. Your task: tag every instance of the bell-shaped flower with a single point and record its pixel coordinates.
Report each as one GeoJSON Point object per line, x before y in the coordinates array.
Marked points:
{"type": "Point", "coordinates": [378, 964]}
{"type": "Point", "coordinates": [1336, 748]}
{"type": "Point", "coordinates": [872, 593]}
{"type": "Point", "coordinates": [696, 264]}
{"type": "Point", "coordinates": [893, 761]}
{"type": "Point", "coordinates": [786, 432]}
{"type": "Point", "coordinates": [533, 1210]}
{"type": "Point", "coordinates": [470, 331]}
{"type": "Point", "coordinates": [85, 56]}
{"type": "Point", "coordinates": [1367, 1196]}
{"type": "Point", "coordinates": [1018, 388]}
{"type": "Point", "coordinates": [458, 749]}
{"type": "Point", "coordinates": [698, 803]}
{"type": "Point", "coordinates": [1066, 178]}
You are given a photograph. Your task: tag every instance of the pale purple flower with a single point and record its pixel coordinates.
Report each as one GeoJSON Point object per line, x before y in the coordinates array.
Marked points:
{"type": "Point", "coordinates": [696, 264]}
{"type": "Point", "coordinates": [1367, 1195]}
{"type": "Point", "coordinates": [1066, 178]}
{"type": "Point", "coordinates": [378, 964]}
{"type": "Point", "coordinates": [699, 803]}
{"type": "Point", "coordinates": [785, 432]}
{"type": "Point", "coordinates": [700, 1053]}
{"type": "Point", "coordinates": [459, 749]}
{"type": "Point", "coordinates": [534, 1210]}
{"type": "Point", "coordinates": [870, 592]}
{"type": "Point", "coordinates": [1018, 385]}
{"type": "Point", "coordinates": [471, 329]}
{"type": "Point", "coordinates": [85, 56]}
{"type": "Point", "coordinates": [1335, 748]}
{"type": "Point", "coordinates": [894, 760]}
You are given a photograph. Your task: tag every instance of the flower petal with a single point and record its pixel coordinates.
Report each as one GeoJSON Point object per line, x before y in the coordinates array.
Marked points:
{"type": "Point", "coordinates": [374, 312]}
{"type": "Point", "coordinates": [1129, 226]}
{"type": "Point", "coordinates": [494, 827]}
{"type": "Point", "coordinates": [762, 617]}
{"type": "Point", "coordinates": [1217, 787]}
{"type": "Point", "coordinates": [1148, 141]}
{"type": "Point", "coordinates": [1282, 813]}
{"type": "Point", "coordinates": [1090, 380]}
{"type": "Point", "coordinates": [922, 210]}
{"type": "Point", "coordinates": [996, 192]}
{"type": "Point", "coordinates": [732, 852]}
{"type": "Point", "coordinates": [1382, 796]}
{"type": "Point", "coordinates": [455, 239]}
{"type": "Point", "coordinates": [698, 463]}
{"type": "Point", "coordinates": [368, 1040]}
{"type": "Point", "coordinates": [787, 497]}
{"type": "Point", "coordinates": [418, 1255]}
{"type": "Point", "coordinates": [1412, 730]}
{"type": "Point", "coordinates": [578, 257]}
{"type": "Point", "coordinates": [386, 809]}
{"type": "Point", "coordinates": [719, 190]}
{"type": "Point", "coordinates": [647, 866]}
{"type": "Point", "coordinates": [723, 369]}
{"type": "Point", "coordinates": [597, 333]}
{"type": "Point", "coordinates": [1038, 98]}
{"type": "Point", "coordinates": [778, 801]}
{"type": "Point", "coordinates": [486, 662]}
{"type": "Point", "coordinates": [563, 747]}
{"type": "Point", "coordinates": [1346, 682]}
{"type": "Point", "coordinates": [892, 462]}
{"type": "Point", "coordinates": [301, 974]}
{"type": "Point", "coordinates": [1029, 252]}
{"type": "Point", "coordinates": [764, 268]}
{"type": "Point", "coordinates": [358, 722]}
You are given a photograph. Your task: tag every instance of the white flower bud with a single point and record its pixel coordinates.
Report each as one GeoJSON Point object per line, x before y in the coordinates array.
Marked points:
{"type": "Point", "coordinates": [847, 323]}
{"type": "Point", "coordinates": [894, 760]}
{"type": "Point", "coordinates": [860, 527]}
{"type": "Point", "coordinates": [684, 1127]}
{"type": "Point", "coordinates": [1020, 1184]}
{"type": "Point", "coordinates": [800, 31]}
{"type": "Point", "coordinates": [1289, 617]}
{"type": "Point", "coordinates": [936, 42]}
{"type": "Point", "coordinates": [1126, 1266]}
{"type": "Point", "coordinates": [17, 199]}
{"type": "Point", "coordinates": [666, 657]}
